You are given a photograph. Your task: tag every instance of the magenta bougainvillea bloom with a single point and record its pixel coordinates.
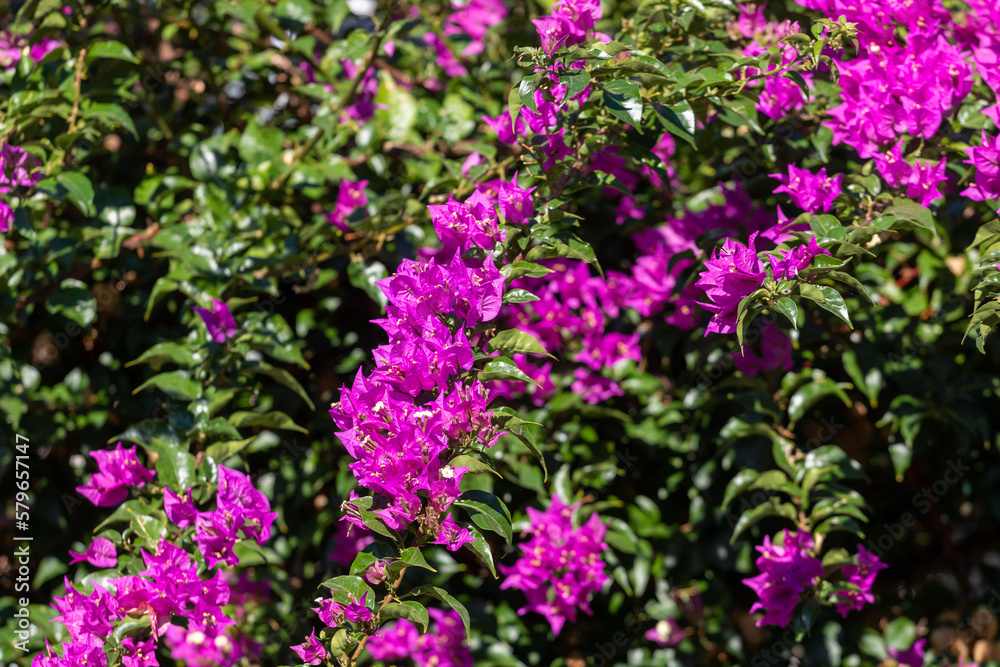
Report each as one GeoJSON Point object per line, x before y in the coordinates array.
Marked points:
{"type": "Point", "coordinates": [18, 168]}
{"type": "Point", "coordinates": [100, 553]}
{"type": "Point", "coordinates": [861, 575]}
{"type": "Point", "coordinates": [170, 588]}
{"type": "Point", "coordinates": [922, 179]}
{"type": "Point", "coordinates": [241, 509]}
{"type": "Point", "coordinates": [731, 274]}
{"type": "Point", "coordinates": [139, 653]}
{"type": "Point", "coordinates": [665, 633]}
{"type": "Point", "coordinates": [911, 657]}
{"type": "Point", "coordinates": [399, 423]}
{"type": "Point", "coordinates": [569, 24]}
{"type": "Point", "coordinates": [813, 193]}
{"type": "Point", "coordinates": [118, 469]}
{"type": "Point", "coordinates": [560, 568]}
{"type": "Point", "coordinates": [986, 159]}
{"type": "Point", "coordinates": [311, 651]}
{"type": "Point", "coordinates": [786, 571]}
{"type": "Point", "coordinates": [180, 511]}
{"type": "Point", "coordinates": [12, 49]}
{"type": "Point", "coordinates": [775, 352]}
{"type": "Point", "coordinates": [350, 196]}
{"type": "Point", "coordinates": [894, 88]}
{"type": "Point", "coordinates": [219, 321]}
{"type": "Point", "coordinates": [795, 260]}
{"type": "Point", "coordinates": [444, 646]}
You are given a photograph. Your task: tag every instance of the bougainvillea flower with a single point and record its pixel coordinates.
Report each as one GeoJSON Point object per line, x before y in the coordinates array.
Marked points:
{"type": "Point", "coordinates": [786, 571]}
{"type": "Point", "coordinates": [100, 553]}
{"type": "Point", "coordinates": [731, 274]}
{"type": "Point", "coordinates": [861, 575]}
{"type": "Point", "coordinates": [219, 321]}
{"type": "Point", "coordinates": [813, 193]}
{"type": "Point", "coordinates": [560, 567]}
{"type": "Point", "coordinates": [986, 159]}
{"type": "Point", "coordinates": [118, 469]}
{"type": "Point", "coordinates": [311, 651]}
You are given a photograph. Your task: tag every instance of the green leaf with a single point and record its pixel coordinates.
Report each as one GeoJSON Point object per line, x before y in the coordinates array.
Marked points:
{"type": "Point", "coordinates": [162, 353]}
{"type": "Point", "coordinates": [809, 394]}
{"type": "Point", "coordinates": [148, 528]}
{"type": "Point", "coordinates": [272, 419]}
{"type": "Point", "coordinates": [473, 464]}
{"type": "Point", "coordinates": [175, 466]}
{"type": "Point", "coordinates": [513, 341]}
{"type": "Point", "coordinates": [839, 522]}
{"type": "Point", "coordinates": [480, 547]}
{"type": "Point", "coordinates": [79, 191]}
{"type": "Point", "coordinates": [220, 451]}
{"type": "Point", "coordinates": [828, 299]}
{"type": "Point", "coordinates": [526, 91]}
{"type": "Point", "coordinates": [901, 633]}
{"type": "Point", "coordinates": [110, 49]}
{"type": "Point", "coordinates": [835, 557]}
{"type": "Point", "coordinates": [412, 556]}
{"type": "Point", "coordinates": [502, 368]}
{"type": "Point", "coordinates": [563, 245]}
{"type": "Point", "coordinates": [773, 507]}
{"type": "Point", "coordinates": [127, 511]}
{"type": "Point", "coordinates": [622, 99]}
{"type": "Point", "coordinates": [112, 115]}
{"type": "Point", "coordinates": [175, 384]}
{"type": "Point", "coordinates": [519, 269]}
{"type": "Point", "coordinates": [287, 379]}
{"type": "Point", "coordinates": [444, 596]}
{"type": "Point", "coordinates": [575, 80]}
{"type": "Point", "coordinates": [913, 213]}
{"type": "Point", "coordinates": [738, 484]}
{"type": "Point", "coordinates": [410, 610]}
{"type": "Point", "coordinates": [789, 309]}
{"type": "Point", "coordinates": [488, 512]}
{"type": "Point", "coordinates": [74, 301]}
{"type": "Point", "coordinates": [678, 119]}
{"type": "Point", "coordinates": [519, 296]}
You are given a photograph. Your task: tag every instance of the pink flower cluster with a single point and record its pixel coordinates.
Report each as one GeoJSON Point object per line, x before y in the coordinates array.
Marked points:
{"type": "Point", "coordinates": [732, 273]}
{"type": "Point", "coordinates": [410, 416]}
{"type": "Point", "coordinates": [921, 179]}
{"type": "Point", "coordinates": [12, 47]}
{"type": "Point", "coordinates": [17, 169]}
{"type": "Point", "coordinates": [573, 314]}
{"type": "Point", "coordinates": [444, 646]}
{"type": "Point", "coordinates": [786, 570]}
{"type": "Point", "coordinates": [861, 575]}
{"type": "Point", "coordinates": [171, 586]}
{"type": "Point", "coordinates": [118, 470]}
{"type": "Point", "coordinates": [986, 159]}
{"type": "Point", "coordinates": [560, 568]}
{"type": "Point", "coordinates": [735, 271]}
{"type": "Point", "coordinates": [473, 19]}
{"type": "Point", "coordinates": [896, 86]}
{"type": "Point", "coordinates": [570, 23]}
{"type": "Point", "coordinates": [813, 193]}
